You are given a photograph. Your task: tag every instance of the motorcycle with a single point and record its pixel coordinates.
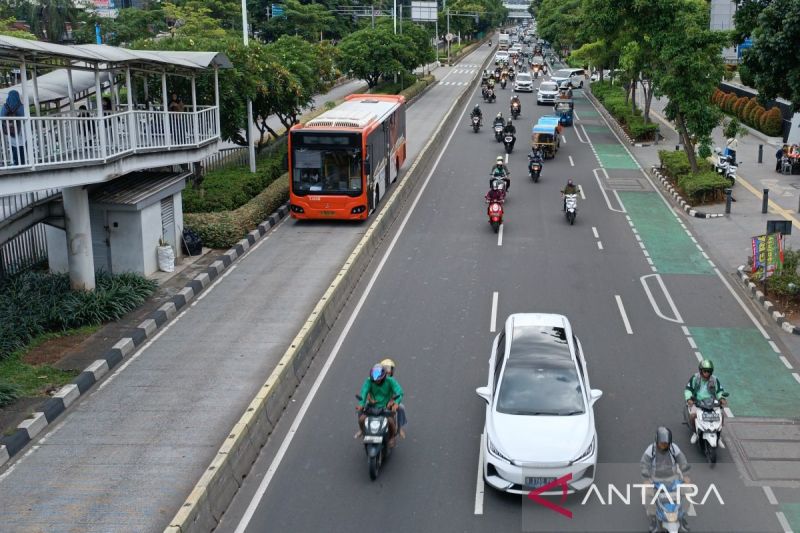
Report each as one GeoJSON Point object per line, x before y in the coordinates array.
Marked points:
{"type": "Point", "coordinates": [670, 511]}
{"type": "Point", "coordinates": [376, 437]}
{"type": "Point", "coordinates": [726, 166]}
{"type": "Point", "coordinates": [571, 202]}
{"type": "Point", "coordinates": [515, 110]}
{"type": "Point", "coordinates": [503, 82]}
{"type": "Point", "coordinates": [508, 142]}
{"type": "Point", "coordinates": [534, 169]}
{"type": "Point", "coordinates": [498, 132]}
{"type": "Point", "coordinates": [476, 123]}
{"type": "Point", "coordinates": [708, 426]}
{"type": "Point", "coordinates": [495, 210]}
{"type": "Point", "coordinates": [488, 95]}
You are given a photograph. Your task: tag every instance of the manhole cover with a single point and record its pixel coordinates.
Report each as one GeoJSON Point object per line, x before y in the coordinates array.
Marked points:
{"type": "Point", "coordinates": [768, 450]}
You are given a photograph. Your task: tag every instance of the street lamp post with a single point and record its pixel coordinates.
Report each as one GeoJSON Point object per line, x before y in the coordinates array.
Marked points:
{"type": "Point", "coordinates": [250, 146]}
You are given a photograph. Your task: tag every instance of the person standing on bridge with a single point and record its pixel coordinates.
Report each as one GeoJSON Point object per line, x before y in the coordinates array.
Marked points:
{"type": "Point", "coordinates": [13, 127]}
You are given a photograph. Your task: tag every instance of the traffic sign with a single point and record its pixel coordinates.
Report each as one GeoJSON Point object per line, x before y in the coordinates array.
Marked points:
{"type": "Point", "coordinates": [277, 10]}
{"type": "Point", "coordinates": [449, 37]}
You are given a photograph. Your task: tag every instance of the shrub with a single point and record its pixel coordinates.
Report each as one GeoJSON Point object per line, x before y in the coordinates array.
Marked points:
{"type": "Point", "coordinates": [32, 303]}
{"type": "Point", "coordinates": [642, 131]}
{"type": "Point", "coordinates": [756, 114]}
{"type": "Point", "coordinates": [225, 229]}
{"type": "Point", "coordinates": [702, 187]}
{"type": "Point", "coordinates": [739, 104]}
{"type": "Point", "coordinates": [704, 151]}
{"type": "Point", "coordinates": [744, 112]}
{"type": "Point", "coordinates": [226, 189]}
{"type": "Point", "coordinates": [716, 96]}
{"type": "Point", "coordinates": [727, 105]}
{"type": "Point", "coordinates": [8, 393]}
{"type": "Point", "coordinates": [772, 122]}
{"type": "Point", "coordinates": [676, 163]}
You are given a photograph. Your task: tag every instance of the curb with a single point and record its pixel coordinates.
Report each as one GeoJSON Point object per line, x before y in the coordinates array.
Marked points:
{"type": "Point", "coordinates": [29, 428]}
{"type": "Point", "coordinates": [678, 198]}
{"type": "Point", "coordinates": [768, 306]}
{"type": "Point", "coordinates": [203, 508]}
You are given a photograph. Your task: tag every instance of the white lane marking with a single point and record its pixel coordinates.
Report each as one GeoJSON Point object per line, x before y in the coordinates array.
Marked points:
{"type": "Point", "coordinates": [784, 523]}
{"type": "Point", "coordinates": [729, 413]}
{"type": "Point", "coordinates": [685, 330]}
{"type": "Point", "coordinates": [646, 253]}
{"type": "Point", "coordinates": [650, 262]}
{"type": "Point", "coordinates": [638, 238]}
{"type": "Point", "coordinates": [571, 162]}
{"type": "Point", "coordinates": [770, 495]}
{"type": "Point", "coordinates": [692, 343]}
{"type": "Point", "coordinates": [493, 319]}
{"type": "Point", "coordinates": [500, 236]}
{"type": "Point", "coordinates": [575, 115]}
{"type": "Point", "coordinates": [563, 139]}
{"type": "Point", "coordinates": [605, 196]}
{"type": "Point", "coordinates": [742, 304]}
{"type": "Point", "coordinates": [624, 316]}
{"type": "Point", "coordinates": [796, 376]}
{"type": "Point", "coordinates": [774, 347]}
{"type": "Point", "coordinates": [480, 486]}
{"type": "Point", "coordinates": [287, 441]}
{"type": "Point", "coordinates": [600, 244]}
{"type": "Point", "coordinates": [594, 232]}
{"type": "Point", "coordinates": [635, 231]}
{"type": "Point", "coordinates": [705, 255]}
{"type": "Point", "coordinates": [678, 319]}
{"type": "Point", "coordinates": [583, 194]}
{"type": "Point", "coordinates": [699, 357]}
{"type": "Point", "coordinates": [506, 158]}
{"type": "Point", "coordinates": [786, 362]}
{"type": "Point", "coordinates": [641, 244]}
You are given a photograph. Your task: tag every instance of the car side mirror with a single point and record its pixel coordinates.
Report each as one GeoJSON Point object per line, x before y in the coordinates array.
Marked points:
{"type": "Point", "coordinates": [485, 393]}
{"type": "Point", "coordinates": [595, 395]}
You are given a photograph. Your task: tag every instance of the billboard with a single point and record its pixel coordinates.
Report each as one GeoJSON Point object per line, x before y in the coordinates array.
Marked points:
{"type": "Point", "coordinates": [423, 11]}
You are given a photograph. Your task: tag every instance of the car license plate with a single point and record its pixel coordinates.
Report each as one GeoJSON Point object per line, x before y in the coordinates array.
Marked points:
{"type": "Point", "coordinates": [536, 482]}
{"type": "Point", "coordinates": [373, 439]}
{"type": "Point", "coordinates": [328, 213]}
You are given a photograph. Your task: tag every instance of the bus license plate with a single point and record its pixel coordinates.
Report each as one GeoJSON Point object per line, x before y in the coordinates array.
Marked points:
{"type": "Point", "coordinates": [328, 213]}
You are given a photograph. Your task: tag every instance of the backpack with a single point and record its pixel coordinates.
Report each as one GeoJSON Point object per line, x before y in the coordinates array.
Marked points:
{"type": "Point", "coordinates": [9, 126]}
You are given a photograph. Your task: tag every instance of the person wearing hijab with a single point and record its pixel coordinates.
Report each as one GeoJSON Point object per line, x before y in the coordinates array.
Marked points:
{"type": "Point", "coordinates": [12, 129]}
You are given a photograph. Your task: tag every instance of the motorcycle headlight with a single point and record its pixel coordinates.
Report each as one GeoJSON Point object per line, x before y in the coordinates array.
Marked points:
{"type": "Point", "coordinates": [587, 452]}
{"type": "Point", "coordinates": [494, 451]}
{"type": "Point", "coordinates": [374, 425]}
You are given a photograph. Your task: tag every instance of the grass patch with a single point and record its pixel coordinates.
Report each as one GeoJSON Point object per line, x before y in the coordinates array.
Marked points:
{"type": "Point", "coordinates": [613, 99]}
{"type": "Point", "coordinates": [18, 378]}
{"type": "Point", "coordinates": [391, 87]}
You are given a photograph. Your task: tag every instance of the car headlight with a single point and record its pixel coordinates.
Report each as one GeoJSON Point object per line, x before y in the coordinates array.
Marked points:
{"type": "Point", "coordinates": [494, 451]}
{"type": "Point", "coordinates": [587, 452]}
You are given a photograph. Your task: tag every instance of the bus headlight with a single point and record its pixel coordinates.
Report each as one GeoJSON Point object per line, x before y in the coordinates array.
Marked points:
{"type": "Point", "coordinates": [296, 208]}
{"type": "Point", "coordinates": [358, 209]}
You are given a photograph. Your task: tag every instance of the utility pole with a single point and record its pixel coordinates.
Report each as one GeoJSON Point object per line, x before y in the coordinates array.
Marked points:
{"type": "Point", "coordinates": [250, 147]}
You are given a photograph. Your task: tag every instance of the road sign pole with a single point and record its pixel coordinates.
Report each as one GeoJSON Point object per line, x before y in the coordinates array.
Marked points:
{"type": "Point", "coordinates": [250, 147]}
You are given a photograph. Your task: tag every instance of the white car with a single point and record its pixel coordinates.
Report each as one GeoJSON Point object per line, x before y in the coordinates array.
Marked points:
{"type": "Point", "coordinates": [501, 55]}
{"type": "Point", "coordinates": [547, 93]}
{"type": "Point", "coordinates": [574, 76]}
{"type": "Point", "coordinates": [539, 407]}
{"type": "Point", "coordinates": [523, 82]}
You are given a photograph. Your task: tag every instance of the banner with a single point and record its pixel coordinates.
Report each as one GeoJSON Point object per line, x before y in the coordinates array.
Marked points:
{"type": "Point", "coordinates": [768, 253]}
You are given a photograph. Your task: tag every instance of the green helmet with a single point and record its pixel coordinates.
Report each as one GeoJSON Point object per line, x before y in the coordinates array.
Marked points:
{"type": "Point", "coordinates": [706, 364]}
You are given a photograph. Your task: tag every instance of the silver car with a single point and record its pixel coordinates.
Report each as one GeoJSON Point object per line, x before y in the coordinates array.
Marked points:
{"type": "Point", "coordinates": [547, 94]}
{"type": "Point", "coordinates": [523, 83]}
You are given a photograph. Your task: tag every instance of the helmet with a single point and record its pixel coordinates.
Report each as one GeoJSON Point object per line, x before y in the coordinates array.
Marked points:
{"type": "Point", "coordinates": [509, 123]}
{"type": "Point", "coordinates": [378, 373]}
{"type": "Point", "coordinates": [499, 160]}
{"type": "Point", "coordinates": [570, 183]}
{"type": "Point", "coordinates": [706, 364]}
{"type": "Point", "coordinates": [663, 438]}
{"type": "Point", "coordinates": [500, 115]}
{"type": "Point", "coordinates": [476, 108]}
{"type": "Point", "coordinates": [389, 365]}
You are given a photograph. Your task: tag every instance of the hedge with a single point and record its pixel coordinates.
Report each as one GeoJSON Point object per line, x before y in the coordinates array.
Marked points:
{"type": "Point", "coordinates": [739, 104]}
{"type": "Point", "coordinates": [704, 186]}
{"type": "Point", "coordinates": [750, 112]}
{"type": "Point", "coordinates": [772, 122]}
{"type": "Point", "coordinates": [613, 99]}
{"type": "Point", "coordinates": [224, 229]}
{"type": "Point", "coordinates": [756, 114]}
{"type": "Point", "coordinates": [418, 87]}
{"type": "Point", "coordinates": [727, 103]}
{"type": "Point", "coordinates": [230, 188]}
{"type": "Point", "coordinates": [744, 114]}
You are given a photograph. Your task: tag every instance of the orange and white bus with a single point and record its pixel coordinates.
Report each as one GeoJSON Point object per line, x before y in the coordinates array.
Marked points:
{"type": "Point", "coordinates": [342, 162]}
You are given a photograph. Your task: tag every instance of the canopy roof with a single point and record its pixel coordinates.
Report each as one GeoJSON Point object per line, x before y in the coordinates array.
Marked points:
{"type": "Point", "coordinates": [53, 86]}
{"type": "Point", "coordinates": [13, 49]}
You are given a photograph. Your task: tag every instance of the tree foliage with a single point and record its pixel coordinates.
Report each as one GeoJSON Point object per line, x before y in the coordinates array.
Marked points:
{"type": "Point", "coordinates": [370, 54]}
{"type": "Point", "coordinates": [772, 64]}
{"type": "Point", "coordinates": [8, 27]}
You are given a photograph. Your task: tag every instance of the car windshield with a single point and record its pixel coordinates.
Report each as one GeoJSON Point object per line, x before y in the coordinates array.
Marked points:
{"type": "Point", "coordinates": [524, 77]}
{"type": "Point", "coordinates": [547, 86]}
{"type": "Point", "coordinates": [562, 73]}
{"type": "Point", "coordinates": [533, 388]}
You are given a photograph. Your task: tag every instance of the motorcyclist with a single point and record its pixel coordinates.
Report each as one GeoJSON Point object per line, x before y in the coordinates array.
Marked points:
{"type": "Point", "coordinates": [510, 129]}
{"type": "Point", "coordinates": [500, 170]}
{"type": "Point", "coordinates": [569, 188]}
{"type": "Point", "coordinates": [476, 112]}
{"type": "Point", "coordinates": [536, 156]}
{"type": "Point", "coordinates": [515, 100]}
{"type": "Point", "coordinates": [664, 462]}
{"type": "Point", "coordinates": [498, 119]}
{"type": "Point", "coordinates": [382, 391]}
{"type": "Point", "coordinates": [389, 365]}
{"type": "Point", "coordinates": [496, 193]}
{"type": "Point", "coordinates": [701, 386]}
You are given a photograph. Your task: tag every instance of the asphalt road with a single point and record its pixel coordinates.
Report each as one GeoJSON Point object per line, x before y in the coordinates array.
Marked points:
{"type": "Point", "coordinates": [428, 306]}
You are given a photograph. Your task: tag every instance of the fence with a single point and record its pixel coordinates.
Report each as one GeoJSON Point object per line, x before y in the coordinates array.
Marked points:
{"type": "Point", "coordinates": [23, 251]}
{"type": "Point", "coordinates": [238, 157]}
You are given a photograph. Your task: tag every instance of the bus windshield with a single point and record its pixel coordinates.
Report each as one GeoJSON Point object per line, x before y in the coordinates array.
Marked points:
{"type": "Point", "coordinates": [326, 171]}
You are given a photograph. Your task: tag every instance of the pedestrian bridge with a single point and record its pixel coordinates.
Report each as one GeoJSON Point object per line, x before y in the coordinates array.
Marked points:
{"type": "Point", "coordinates": [517, 10]}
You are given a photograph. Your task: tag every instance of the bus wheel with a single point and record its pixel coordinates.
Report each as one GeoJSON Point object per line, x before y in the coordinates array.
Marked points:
{"type": "Point", "coordinates": [377, 196]}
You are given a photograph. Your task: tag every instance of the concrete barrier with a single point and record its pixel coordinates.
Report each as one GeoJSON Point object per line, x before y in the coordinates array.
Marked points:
{"type": "Point", "coordinates": [217, 486]}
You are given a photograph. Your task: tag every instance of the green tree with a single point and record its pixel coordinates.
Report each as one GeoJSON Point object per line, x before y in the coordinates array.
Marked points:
{"type": "Point", "coordinates": [370, 54]}
{"type": "Point", "coordinates": [419, 35]}
{"type": "Point", "coordinates": [309, 21]}
{"type": "Point", "coordinates": [193, 21]}
{"type": "Point", "coordinates": [558, 21]}
{"type": "Point", "coordinates": [688, 69]}
{"type": "Point", "coordinates": [50, 20]}
{"type": "Point", "coordinates": [7, 27]}
{"type": "Point", "coordinates": [772, 64]}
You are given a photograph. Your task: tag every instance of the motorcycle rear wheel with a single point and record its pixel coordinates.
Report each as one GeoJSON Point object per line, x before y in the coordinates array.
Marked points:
{"type": "Point", "coordinates": [710, 453]}
{"type": "Point", "coordinates": [571, 218]}
{"type": "Point", "coordinates": [375, 466]}
{"type": "Point", "coordinates": [496, 226]}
